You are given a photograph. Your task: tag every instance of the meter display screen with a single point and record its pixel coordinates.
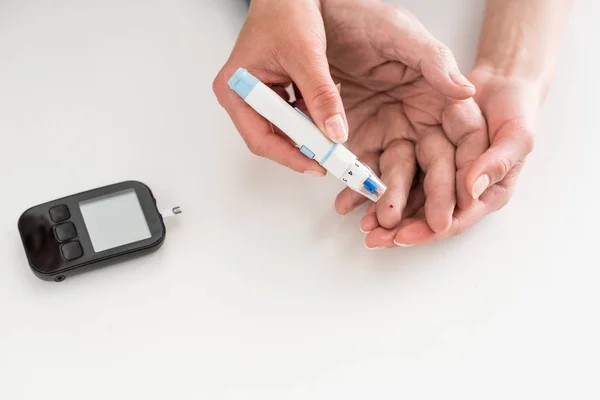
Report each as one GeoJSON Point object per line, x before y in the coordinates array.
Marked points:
{"type": "Point", "coordinates": [115, 220]}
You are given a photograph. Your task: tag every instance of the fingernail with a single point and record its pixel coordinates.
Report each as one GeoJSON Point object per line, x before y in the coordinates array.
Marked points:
{"type": "Point", "coordinates": [461, 80]}
{"type": "Point", "coordinates": [363, 231]}
{"type": "Point", "coordinates": [336, 129]}
{"type": "Point", "coordinates": [402, 244]}
{"type": "Point", "coordinates": [480, 185]}
{"type": "Point", "coordinates": [314, 172]}
{"type": "Point", "coordinates": [374, 248]}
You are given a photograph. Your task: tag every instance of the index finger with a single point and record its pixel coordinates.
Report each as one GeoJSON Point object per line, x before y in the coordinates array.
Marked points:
{"type": "Point", "coordinates": [258, 133]}
{"type": "Point", "coordinates": [466, 128]}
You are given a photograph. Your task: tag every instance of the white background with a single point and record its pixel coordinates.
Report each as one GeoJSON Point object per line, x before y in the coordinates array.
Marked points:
{"type": "Point", "coordinates": [261, 291]}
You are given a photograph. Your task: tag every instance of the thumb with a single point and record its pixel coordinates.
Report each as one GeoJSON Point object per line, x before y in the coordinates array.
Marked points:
{"type": "Point", "coordinates": [322, 97]}
{"type": "Point", "coordinates": [509, 148]}
{"type": "Point", "coordinates": [407, 41]}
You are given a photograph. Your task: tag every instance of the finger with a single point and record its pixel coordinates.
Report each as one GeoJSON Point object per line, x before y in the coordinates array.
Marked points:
{"type": "Point", "coordinates": [398, 167]}
{"type": "Point", "coordinates": [298, 94]}
{"type": "Point", "coordinates": [406, 40]}
{"type": "Point", "coordinates": [436, 158]}
{"type": "Point", "coordinates": [258, 133]}
{"type": "Point", "coordinates": [418, 231]}
{"type": "Point", "coordinates": [348, 200]}
{"type": "Point", "coordinates": [415, 203]}
{"type": "Point", "coordinates": [466, 128]}
{"type": "Point", "coordinates": [371, 208]}
{"type": "Point", "coordinates": [380, 238]}
{"type": "Point", "coordinates": [310, 72]}
{"type": "Point", "coordinates": [369, 223]}
{"type": "Point", "coordinates": [509, 147]}
{"type": "Point", "coordinates": [281, 91]}
{"type": "Point", "coordinates": [415, 230]}
{"type": "Point", "coordinates": [414, 208]}
{"type": "Point", "coordinates": [384, 238]}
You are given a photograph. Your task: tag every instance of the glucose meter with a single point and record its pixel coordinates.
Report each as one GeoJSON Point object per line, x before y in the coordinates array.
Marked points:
{"type": "Point", "coordinates": [92, 229]}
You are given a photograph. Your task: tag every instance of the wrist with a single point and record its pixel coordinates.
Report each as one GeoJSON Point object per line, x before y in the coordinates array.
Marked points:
{"type": "Point", "coordinates": [524, 94]}
{"type": "Point", "coordinates": [520, 40]}
{"type": "Point", "coordinates": [533, 78]}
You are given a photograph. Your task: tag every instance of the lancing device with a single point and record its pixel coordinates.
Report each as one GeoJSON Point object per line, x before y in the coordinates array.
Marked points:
{"type": "Point", "coordinates": [334, 157]}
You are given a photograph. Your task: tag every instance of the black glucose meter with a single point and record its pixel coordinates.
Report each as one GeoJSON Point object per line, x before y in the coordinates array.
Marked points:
{"type": "Point", "coordinates": [92, 229]}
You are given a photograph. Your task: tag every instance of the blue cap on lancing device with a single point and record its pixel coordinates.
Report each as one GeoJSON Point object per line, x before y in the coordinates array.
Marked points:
{"type": "Point", "coordinates": [242, 82]}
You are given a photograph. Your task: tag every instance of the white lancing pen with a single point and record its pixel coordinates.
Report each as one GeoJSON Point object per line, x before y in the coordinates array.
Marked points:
{"type": "Point", "coordinates": [335, 158]}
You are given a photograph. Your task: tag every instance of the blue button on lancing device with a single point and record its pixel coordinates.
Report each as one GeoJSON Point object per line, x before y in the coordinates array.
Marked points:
{"type": "Point", "coordinates": [370, 185]}
{"type": "Point", "coordinates": [306, 151]}
{"type": "Point", "coordinates": [337, 159]}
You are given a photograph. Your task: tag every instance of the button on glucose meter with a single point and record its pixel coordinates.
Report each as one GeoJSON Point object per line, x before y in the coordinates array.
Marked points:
{"type": "Point", "coordinates": [92, 229]}
{"type": "Point", "coordinates": [59, 213]}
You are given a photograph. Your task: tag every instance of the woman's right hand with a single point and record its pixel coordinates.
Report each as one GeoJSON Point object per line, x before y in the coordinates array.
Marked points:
{"type": "Point", "coordinates": [280, 43]}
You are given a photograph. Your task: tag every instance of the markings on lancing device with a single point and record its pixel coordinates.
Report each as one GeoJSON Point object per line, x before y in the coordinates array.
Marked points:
{"type": "Point", "coordinates": [298, 126]}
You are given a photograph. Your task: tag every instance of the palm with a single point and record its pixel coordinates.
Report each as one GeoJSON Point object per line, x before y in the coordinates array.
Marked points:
{"type": "Point", "coordinates": [399, 124]}
{"type": "Point", "coordinates": [509, 108]}
{"type": "Point", "coordinates": [396, 129]}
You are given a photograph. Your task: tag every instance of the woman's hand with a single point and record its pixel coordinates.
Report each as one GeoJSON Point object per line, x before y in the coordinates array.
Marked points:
{"type": "Point", "coordinates": [283, 42]}
{"type": "Point", "coordinates": [410, 111]}
{"type": "Point", "coordinates": [517, 53]}
{"type": "Point", "coordinates": [510, 106]}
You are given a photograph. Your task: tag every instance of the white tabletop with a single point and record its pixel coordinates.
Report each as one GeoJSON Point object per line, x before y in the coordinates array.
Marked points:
{"type": "Point", "coordinates": [261, 291]}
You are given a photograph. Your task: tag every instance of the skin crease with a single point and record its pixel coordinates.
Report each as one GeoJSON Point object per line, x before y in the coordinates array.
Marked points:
{"type": "Point", "coordinates": [449, 160]}
{"type": "Point", "coordinates": [510, 106]}
{"type": "Point", "coordinates": [517, 53]}
{"type": "Point", "coordinates": [419, 140]}
{"type": "Point", "coordinates": [282, 42]}
{"type": "Point", "coordinates": [407, 103]}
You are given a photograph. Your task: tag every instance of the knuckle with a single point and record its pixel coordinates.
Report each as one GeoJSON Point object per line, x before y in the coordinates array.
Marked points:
{"type": "Point", "coordinates": [519, 131]}
{"type": "Point", "coordinates": [500, 197]}
{"type": "Point", "coordinates": [256, 148]}
{"type": "Point", "coordinates": [438, 56]}
{"type": "Point", "coordinates": [463, 120]}
{"type": "Point", "coordinates": [399, 17]}
{"type": "Point", "coordinates": [456, 227]}
{"type": "Point", "coordinates": [215, 86]}
{"type": "Point", "coordinates": [312, 46]}
{"type": "Point", "coordinates": [501, 167]}
{"type": "Point", "coordinates": [397, 14]}
{"type": "Point", "coordinates": [218, 84]}
{"type": "Point", "coordinates": [314, 43]}
{"type": "Point", "coordinates": [437, 52]}
{"type": "Point", "coordinates": [324, 97]}
{"type": "Point", "coordinates": [528, 139]}
{"type": "Point", "coordinates": [441, 51]}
